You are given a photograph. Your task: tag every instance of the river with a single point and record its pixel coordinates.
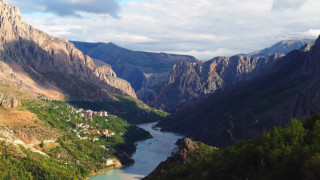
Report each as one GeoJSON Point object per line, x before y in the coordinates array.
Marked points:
{"type": "Point", "coordinates": [149, 154]}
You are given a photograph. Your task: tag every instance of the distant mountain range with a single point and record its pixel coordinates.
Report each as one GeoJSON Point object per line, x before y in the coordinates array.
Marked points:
{"type": "Point", "coordinates": [144, 70]}
{"type": "Point", "coordinates": [290, 89]}
{"type": "Point", "coordinates": [283, 47]}
{"type": "Point", "coordinates": [190, 82]}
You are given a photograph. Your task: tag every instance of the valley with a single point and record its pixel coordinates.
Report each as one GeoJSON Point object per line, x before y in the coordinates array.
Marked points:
{"type": "Point", "coordinates": [96, 110]}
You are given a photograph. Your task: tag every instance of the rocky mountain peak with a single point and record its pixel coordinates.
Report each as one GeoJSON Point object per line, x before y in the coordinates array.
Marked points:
{"type": "Point", "coordinates": [45, 56]}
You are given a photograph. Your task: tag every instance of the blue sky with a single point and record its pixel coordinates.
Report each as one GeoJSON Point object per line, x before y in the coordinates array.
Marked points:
{"type": "Point", "coordinates": [126, 1]}
{"type": "Point", "coordinates": [202, 28]}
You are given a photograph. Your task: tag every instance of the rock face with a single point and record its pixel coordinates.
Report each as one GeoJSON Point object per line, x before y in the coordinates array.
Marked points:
{"type": "Point", "coordinates": [104, 71]}
{"type": "Point", "coordinates": [189, 152]}
{"type": "Point", "coordinates": [283, 47]}
{"type": "Point", "coordinates": [187, 146]}
{"type": "Point", "coordinates": [9, 101]}
{"type": "Point", "coordinates": [190, 82]}
{"type": "Point", "coordinates": [49, 59]}
{"type": "Point", "coordinates": [185, 152]}
{"type": "Point", "coordinates": [290, 89]}
{"type": "Point", "coordinates": [144, 71]}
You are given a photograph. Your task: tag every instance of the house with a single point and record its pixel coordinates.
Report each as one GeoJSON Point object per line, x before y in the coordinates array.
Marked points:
{"type": "Point", "coordinates": [86, 127]}
{"type": "Point", "coordinates": [104, 132]}
{"type": "Point", "coordinates": [89, 118]}
{"type": "Point", "coordinates": [107, 120]}
{"type": "Point", "coordinates": [89, 112]}
{"type": "Point", "coordinates": [95, 131]}
{"type": "Point", "coordinates": [79, 125]}
{"type": "Point", "coordinates": [100, 114]}
{"type": "Point", "coordinates": [81, 115]}
{"type": "Point", "coordinates": [109, 162]}
{"type": "Point", "coordinates": [105, 113]}
{"type": "Point", "coordinates": [95, 139]}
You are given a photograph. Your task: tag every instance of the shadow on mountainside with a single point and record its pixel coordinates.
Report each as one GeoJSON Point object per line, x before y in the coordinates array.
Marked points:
{"type": "Point", "coordinates": [77, 82]}
{"type": "Point", "coordinates": [289, 90]}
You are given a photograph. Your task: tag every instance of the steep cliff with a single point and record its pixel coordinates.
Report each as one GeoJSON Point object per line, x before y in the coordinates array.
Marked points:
{"type": "Point", "coordinates": [104, 71]}
{"type": "Point", "coordinates": [190, 82]}
{"type": "Point", "coordinates": [52, 63]}
{"type": "Point", "coordinates": [290, 89]}
{"type": "Point", "coordinates": [144, 71]}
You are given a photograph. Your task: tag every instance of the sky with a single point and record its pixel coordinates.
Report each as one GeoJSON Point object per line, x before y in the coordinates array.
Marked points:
{"type": "Point", "coordinates": [202, 28]}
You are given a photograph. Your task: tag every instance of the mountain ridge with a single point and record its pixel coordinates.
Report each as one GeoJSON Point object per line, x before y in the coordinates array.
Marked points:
{"type": "Point", "coordinates": [191, 82]}
{"type": "Point", "coordinates": [145, 71]}
{"type": "Point", "coordinates": [288, 90]}
{"type": "Point", "coordinates": [283, 47]}
{"type": "Point", "coordinates": [48, 55]}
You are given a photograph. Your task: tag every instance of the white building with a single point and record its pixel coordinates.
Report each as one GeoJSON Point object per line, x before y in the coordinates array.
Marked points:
{"type": "Point", "coordinates": [109, 162]}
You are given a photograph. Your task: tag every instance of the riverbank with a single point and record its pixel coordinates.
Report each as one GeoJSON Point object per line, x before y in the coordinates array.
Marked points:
{"type": "Point", "coordinates": [148, 155]}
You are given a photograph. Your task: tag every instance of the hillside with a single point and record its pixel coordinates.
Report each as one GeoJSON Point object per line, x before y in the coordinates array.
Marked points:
{"type": "Point", "coordinates": [55, 140]}
{"type": "Point", "coordinates": [35, 63]}
{"type": "Point", "coordinates": [288, 90]}
{"type": "Point", "coordinates": [43, 64]}
{"type": "Point", "coordinates": [283, 47]}
{"type": "Point", "coordinates": [145, 71]}
{"type": "Point", "coordinates": [191, 82]}
{"type": "Point", "coordinates": [291, 152]}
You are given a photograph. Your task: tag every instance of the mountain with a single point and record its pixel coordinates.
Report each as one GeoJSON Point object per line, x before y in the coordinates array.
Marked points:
{"type": "Point", "coordinates": [281, 153]}
{"type": "Point", "coordinates": [45, 130]}
{"type": "Point", "coordinates": [33, 63]}
{"type": "Point", "coordinates": [144, 70]}
{"type": "Point", "coordinates": [190, 82]}
{"type": "Point", "coordinates": [44, 63]}
{"type": "Point", "coordinates": [289, 89]}
{"type": "Point", "coordinates": [283, 47]}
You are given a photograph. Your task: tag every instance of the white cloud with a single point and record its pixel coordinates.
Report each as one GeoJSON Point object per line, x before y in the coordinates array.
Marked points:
{"type": "Point", "coordinates": [202, 28]}
{"type": "Point", "coordinates": [313, 33]}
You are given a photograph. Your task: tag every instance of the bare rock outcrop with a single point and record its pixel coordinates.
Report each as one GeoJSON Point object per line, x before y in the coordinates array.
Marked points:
{"type": "Point", "coordinates": [7, 101]}
{"type": "Point", "coordinates": [190, 82]}
{"type": "Point", "coordinates": [104, 71]}
{"type": "Point", "coordinates": [145, 71]}
{"type": "Point", "coordinates": [49, 59]}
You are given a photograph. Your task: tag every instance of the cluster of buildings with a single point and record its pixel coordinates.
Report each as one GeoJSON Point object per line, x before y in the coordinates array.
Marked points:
{"type": "Point", "coordinates": [87, 114]}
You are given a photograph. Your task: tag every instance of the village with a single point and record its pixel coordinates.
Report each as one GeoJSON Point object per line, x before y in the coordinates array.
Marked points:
{"type": "Point", "coordinates": [85, 128]}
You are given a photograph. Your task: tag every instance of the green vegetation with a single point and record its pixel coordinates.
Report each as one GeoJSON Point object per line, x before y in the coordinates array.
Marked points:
{"type": "Point", "coordinates": [133, 110]}
{"type": "Point", "coordinates": [291, 152]}
{"type": "Point", "coordinates": [35, 166]}
{"type": "Point", "coordinates": [79, 151]}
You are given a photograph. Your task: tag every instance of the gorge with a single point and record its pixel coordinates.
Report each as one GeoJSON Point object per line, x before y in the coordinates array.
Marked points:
{"type": "Point", "coordinates": [72, 109]}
